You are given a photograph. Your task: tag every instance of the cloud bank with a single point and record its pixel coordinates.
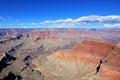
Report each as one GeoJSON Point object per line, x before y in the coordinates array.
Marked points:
{"type": "Point", "coordinates": [112, 25]}
{"type": "Point", "coordinates": [106, 21]}
{"type": "Point", "coordinates": [92, 21]}
{"type": "Point", "coordinates": [87, 19]}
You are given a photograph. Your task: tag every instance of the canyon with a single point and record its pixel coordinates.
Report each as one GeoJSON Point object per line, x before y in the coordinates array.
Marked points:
{"type": "Point", "coordinates": [59, 54]}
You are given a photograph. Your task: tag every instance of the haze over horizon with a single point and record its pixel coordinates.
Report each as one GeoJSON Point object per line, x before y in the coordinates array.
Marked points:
{"type": "Point", "coordinates": [60, 14]}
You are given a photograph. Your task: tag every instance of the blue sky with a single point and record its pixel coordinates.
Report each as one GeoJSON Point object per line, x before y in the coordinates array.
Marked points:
{"type": "Point", "coordinates": [59, 13]}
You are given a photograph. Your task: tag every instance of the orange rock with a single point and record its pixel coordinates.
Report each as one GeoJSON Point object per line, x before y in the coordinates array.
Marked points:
{"type": "Point", "coordinates": [93, 51]}
{"type": "Point", "coordinates": [38, 34]}
{"type": "Point", "coordinates": [109, 72]}
{"type": "Point", "coordinates": [96, 48]}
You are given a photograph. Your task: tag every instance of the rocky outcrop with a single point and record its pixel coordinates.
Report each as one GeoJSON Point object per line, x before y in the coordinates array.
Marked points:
{"type": "Point", "coordinates": [6, 61]}
{"type": "Point", "coordinates": [6, 35]}
{"type": "Point", "coordinates": [106, 57]}
{"type": "Point", "coordinates": [96, 48]}
{"type": "Point", "coordinates": [38, 34]}
{"type": "Point", "coordinates": [43, 34]}
{"type": "Point", "coordinates": [12, 76]}
{"type": "Point", "coordinates": [109, 54]}
{"type": "Point", "coordinates": [49, 54]}
{"type": "Point", "coordinates": [12, 32]}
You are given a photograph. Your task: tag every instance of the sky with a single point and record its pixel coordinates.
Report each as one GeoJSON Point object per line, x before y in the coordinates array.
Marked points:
{"type": "Point", "coordinates": [59, 13]}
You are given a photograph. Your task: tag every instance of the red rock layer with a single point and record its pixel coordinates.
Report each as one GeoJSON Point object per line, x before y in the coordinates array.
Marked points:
{"type": "Point", "coordinates": [38, 34]}
{"type": "Point", "coordinates": [45, 34]}
{"type": "Point", "coordinates": [96, 48]}
{"type": "Point", "coordinates": [92, 51]}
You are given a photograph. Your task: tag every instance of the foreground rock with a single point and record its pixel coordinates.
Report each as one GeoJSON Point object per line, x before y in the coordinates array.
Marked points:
{"type": "Point", "coordinates": [90, 60]}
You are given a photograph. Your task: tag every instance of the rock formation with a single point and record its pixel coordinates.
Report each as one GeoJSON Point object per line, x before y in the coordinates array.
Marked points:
{"type": "Point", "coordinates": [7, 32]}
{"type": "Point", "coordinates": [38, 34]}
{"type": "Point", "coordinates": [88, 59]}
{"type": "Point", "coordinates": [43, 34]}
{"type": "Point", "coordinates": [55, 54]}
{"type": "Point", "coordinates": [92, 51]}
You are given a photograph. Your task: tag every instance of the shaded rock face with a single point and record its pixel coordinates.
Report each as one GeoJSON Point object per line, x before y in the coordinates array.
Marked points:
{"type": "Point", "coordinates": [12, 76]}
{"type": "Point", "coordinates": [6, 60]}
{"type": "Point", "coordinates": [2, 76]}
{"type": "Point", "coordinates": [91, 60]}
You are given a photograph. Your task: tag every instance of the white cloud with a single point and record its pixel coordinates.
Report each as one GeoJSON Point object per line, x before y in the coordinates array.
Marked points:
{"type": "Point", "coordinates": [57, 21]}
{"type": "Point", "coordinates": [65, 25]}
{"type": "Point", "coordinates": [84, 21]}
{"type": "Point", "coordinates": [114, 19]}
{"type": "Point", "coordinates": [2, 18]}
{"type": "Point", "coordinates": [47, 22]}
{"type": "Point", "coordinates": [92, 18]}
{"type": "Point", "coordinates": [24, 27]}
{"type": "Point", "coordinates": [95, 18]}
{"type": "Point", "coordinates": [112, 25]}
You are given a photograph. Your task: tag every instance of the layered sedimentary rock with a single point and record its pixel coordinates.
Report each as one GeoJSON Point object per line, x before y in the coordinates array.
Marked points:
{"type": "Point", "coordinates": [90, 60]}
{"type": "Point", "coordinates": [92, 51]}
{"type": "Point", "coordinates": [7, 35]}
{"type": "Point", "coordinates": [39, 34]}
{"type": "Point", "coordinates": [43, 34]}
{"type": "Point", "coordinates": [9, 32]}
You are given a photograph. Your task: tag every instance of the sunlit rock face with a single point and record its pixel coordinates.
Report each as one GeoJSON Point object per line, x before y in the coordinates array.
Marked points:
{"type": "Point", "coordinates": [43, 35]}
{"type": "Point", "coordinates": [9, 32]}
{"type": "Point", "coordinates": [38, 34]}
{"type": "Point", "coordinates": [90, 60]}
{"type": "Point", "coordinates": [96, 48]}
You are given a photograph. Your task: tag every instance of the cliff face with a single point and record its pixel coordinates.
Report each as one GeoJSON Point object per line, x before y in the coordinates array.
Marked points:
{"type": "Point", "coordinates": [9, 32]}
{"type": "Point", "coordinates": [51, 54]}
{"type": "Point", "coordinates": [104, 56]}
{"type": "Point", "coordinates": [38, 34]}
{"type": "Point", "coordinates": [43, 35]}
{"type": "Point", "coordinates": [7, 35]}
{"type": "Point", "coordinates": [96, 48]}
